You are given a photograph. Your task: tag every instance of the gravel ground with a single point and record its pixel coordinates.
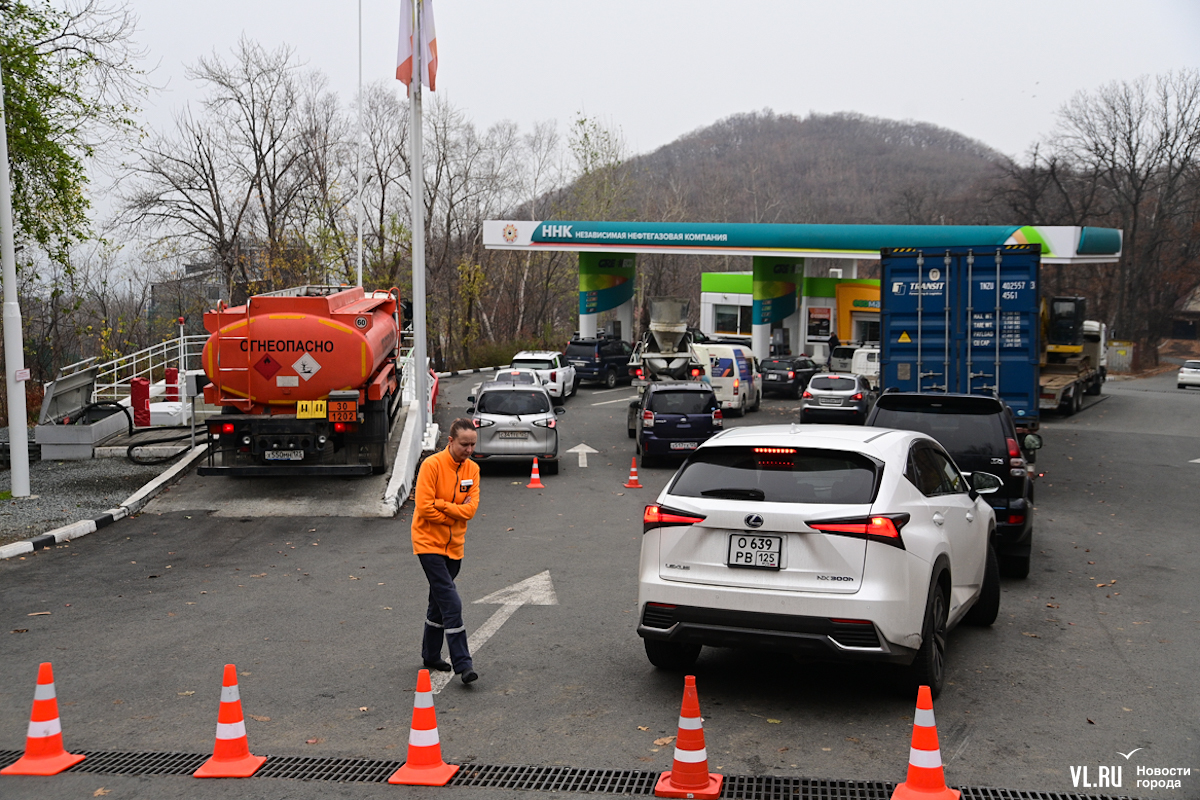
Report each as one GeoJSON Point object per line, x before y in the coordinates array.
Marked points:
{"type": "Point", "coordinates": [68, 491]}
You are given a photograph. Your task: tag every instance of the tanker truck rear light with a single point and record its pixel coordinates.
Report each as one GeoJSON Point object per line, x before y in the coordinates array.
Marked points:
{"type": "Point", "coordinates": [344, 427]}
{"type": "Point", "coordinates": [246, 439]}
{"type": "Point", "coordinates": [696, 372]}
{"type": "Point", "coordinates": [1016, 519]}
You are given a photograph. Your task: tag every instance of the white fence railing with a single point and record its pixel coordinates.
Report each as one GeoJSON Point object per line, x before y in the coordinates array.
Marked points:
{"type": "Point", "coordinates": [113, 377]}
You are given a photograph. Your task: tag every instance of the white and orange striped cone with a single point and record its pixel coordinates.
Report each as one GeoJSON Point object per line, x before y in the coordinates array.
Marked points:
{"type": "Point", "coordinates": [689, 776]}
{"type": "Point", "coordinates": [535, 477]}
{"type": "Point", "coordinates": [424, 766]}
{"type": "Point", "coordinates": [633, 483]}
{"type": "Point", "coordinates": [926, 780]}
{"type": "Point", "coordinates": [44, 753]}
{"type": "Point", "coordinates": [231, 754]}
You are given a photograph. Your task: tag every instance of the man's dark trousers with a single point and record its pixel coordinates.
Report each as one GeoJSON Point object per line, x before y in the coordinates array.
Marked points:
{"type": "Point", "coordinates": [445, 612]}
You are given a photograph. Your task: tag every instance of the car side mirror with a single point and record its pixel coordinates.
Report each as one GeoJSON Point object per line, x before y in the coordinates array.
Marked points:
{"type": "Point", "coordinates": [985, 482]}
{"type": "Point", "coordinates": [559, 410]}
{"type": "Point", "coordinates": [471, 398]}
{"type": "Point", "coordinates": [635, 402]}
{"type": "Point", "coordinates": [1032, 442]}
{"type": "Point", "coordinates": [470, 409]}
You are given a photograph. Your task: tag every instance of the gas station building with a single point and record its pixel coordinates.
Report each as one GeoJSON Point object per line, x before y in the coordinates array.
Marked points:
{"type": "Point", "coordinates": [782, 300]}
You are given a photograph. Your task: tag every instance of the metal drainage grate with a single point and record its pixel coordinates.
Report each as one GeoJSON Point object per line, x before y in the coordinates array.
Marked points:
{"type": "Point", "coordinates": [543, 779]}
{"type": "Point", "coordinates": [556, 779]}
{"type": "Point", "coordinates": [341, 770]}
{"type": "Point", "coordinates": [112, 763]}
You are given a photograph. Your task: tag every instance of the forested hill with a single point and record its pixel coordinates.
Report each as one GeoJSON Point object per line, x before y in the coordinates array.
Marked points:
{"type": "Point", "coordinates": [836, 168]}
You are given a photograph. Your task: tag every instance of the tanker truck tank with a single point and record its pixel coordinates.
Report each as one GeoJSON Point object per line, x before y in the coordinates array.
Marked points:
{"type": "Point", "coordinates": [307, 381]}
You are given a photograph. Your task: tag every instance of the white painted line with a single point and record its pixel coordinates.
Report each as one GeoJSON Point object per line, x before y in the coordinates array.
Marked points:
{"type": "Point", "coordinates": [537, 590]}
{"type": "Point", "coordinates": [619, 400]}
{"type": "Point", "coordinates": [610, 391]}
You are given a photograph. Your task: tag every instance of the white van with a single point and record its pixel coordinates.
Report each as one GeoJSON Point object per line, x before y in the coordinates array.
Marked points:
{"type": "Point", "coordinates": [865, 362]}
{"type": "Point", "coordinates": [733, 372]}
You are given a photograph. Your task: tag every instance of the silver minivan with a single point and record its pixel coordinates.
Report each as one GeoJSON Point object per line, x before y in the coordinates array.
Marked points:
{"type": "Point", "coordinates": [516, 423]}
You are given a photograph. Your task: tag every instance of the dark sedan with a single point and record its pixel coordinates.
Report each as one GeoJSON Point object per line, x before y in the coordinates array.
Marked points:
{"type": "Point", "coordinates": [787, 376]}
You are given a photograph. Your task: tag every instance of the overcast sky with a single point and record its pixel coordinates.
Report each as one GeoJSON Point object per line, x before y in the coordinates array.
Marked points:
{"type": "Point", "coordinates": [658, 69]}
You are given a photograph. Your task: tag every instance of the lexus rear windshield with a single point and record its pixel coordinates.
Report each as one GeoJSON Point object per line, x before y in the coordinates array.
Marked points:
{"type": "Point", "coordinates": [513, 403]}
{"type": "Point", "coordinates": [959, 431]}
{"type": "Point", "coordinates": [779, 475]}
{"type": "Point", "coordinates": [531, 363]}
{"type": "Point", "coordinates": [683, 403]}
{"type": "Point", "coordinates": [833, 384]}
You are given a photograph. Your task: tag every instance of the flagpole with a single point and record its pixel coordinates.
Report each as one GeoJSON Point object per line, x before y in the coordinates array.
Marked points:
{"type": "Point", "coordinates": [14, 347]}
{"type": "Point", "coordinates": [358, 167]}
{"type": "Point", "coordinates": [421, 376]}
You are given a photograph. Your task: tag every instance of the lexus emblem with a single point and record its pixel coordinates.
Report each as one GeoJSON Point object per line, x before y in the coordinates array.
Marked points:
{"type": "Point", "coordinates": [754, 520]}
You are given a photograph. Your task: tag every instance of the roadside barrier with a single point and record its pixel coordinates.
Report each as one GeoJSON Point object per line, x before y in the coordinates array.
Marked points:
{"type": "Point", "coordinates": [633, 483]}
{"type": "Point", "coordinates": [535, 477]}
{"type": "Point", "coordinates": [424, 766]}
{"type": "Point", "coordinates": [44, 752]}
{"type": "Point", "coordinates": [689, 776]}
{"type": "Point", "coordinates": [926, 779]}
{"type": "Point", "coordinates": [231, 754]}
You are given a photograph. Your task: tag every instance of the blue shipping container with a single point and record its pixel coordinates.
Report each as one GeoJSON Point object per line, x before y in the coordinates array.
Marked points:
{"type": "Point", "coordinates": [964, 319]}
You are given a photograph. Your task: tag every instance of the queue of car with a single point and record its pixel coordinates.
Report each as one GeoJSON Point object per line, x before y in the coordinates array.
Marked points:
{"type": "Point", "coordinates": [863, 540]}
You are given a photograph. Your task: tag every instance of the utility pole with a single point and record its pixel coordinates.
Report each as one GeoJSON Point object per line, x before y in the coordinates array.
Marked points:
{"type": "Point", "coordinates": [14, 346]}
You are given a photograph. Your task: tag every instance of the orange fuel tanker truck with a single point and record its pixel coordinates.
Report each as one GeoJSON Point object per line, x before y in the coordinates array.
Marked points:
{"type": "Point", "coordinates": [307, 382]}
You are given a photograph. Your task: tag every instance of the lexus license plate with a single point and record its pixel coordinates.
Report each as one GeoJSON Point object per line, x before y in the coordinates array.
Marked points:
{"type": "Point", "coordinates": [755, 550]}
{"type": "Point", "coordinates": [284, 455]}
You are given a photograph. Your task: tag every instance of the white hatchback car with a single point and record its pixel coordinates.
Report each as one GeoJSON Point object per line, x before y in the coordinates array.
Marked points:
{"type": "Point", "coordinates": [837, 542]}
{"type": "Point", "coordinates": [1189, 375]}
{"type": "Point", "coordinates": [555, 371]}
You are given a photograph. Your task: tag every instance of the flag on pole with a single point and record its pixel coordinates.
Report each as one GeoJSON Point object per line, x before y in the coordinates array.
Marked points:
{"type": "Point", "coordinates": [429, 57]}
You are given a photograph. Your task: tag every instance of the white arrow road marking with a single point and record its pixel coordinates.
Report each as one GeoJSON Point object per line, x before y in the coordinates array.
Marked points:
{"type": "Point", "coordinates": [1194, 461]}
{"type": "Point", "coordinates": [583, 451]}
{"type": "Point", "coordinates": [537, 590]}
{"type": "Point", "coordinates": [619, 400]}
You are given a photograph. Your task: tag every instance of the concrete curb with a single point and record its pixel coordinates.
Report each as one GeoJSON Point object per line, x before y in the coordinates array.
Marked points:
{"type": "Point", "coordinates": [131, 506]}
{"type": "Point", "coordinates": [470, 371]}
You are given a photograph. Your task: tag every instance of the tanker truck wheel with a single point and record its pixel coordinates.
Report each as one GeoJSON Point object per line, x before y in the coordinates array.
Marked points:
{"type": "Point", "coordinates": [378, 422]}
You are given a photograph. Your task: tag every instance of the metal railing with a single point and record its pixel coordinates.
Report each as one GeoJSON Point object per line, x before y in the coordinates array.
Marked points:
{"type": "Point", "coordinates": [113, 377]}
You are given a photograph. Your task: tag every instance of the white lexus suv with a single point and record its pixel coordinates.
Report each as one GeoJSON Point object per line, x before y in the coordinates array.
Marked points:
{"type": "Point", "coordinates": [838, 542]}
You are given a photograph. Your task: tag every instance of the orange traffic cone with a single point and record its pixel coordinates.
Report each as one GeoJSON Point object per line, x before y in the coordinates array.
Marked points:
{"type": "Point", "coordinates": [926, 781]}
{"type": "Point", "coordinates": [231, 755]}
{"type": "Point", "coordinates": [632, 483]}
{"type": "Point", "coordinates": [44, 753]}
{"type": "Point", "coordinates": [689, 776]}
{"type": "Point", "coordinates": [535, 477]}
{"type": "Point", "coordinates": [424, 766]}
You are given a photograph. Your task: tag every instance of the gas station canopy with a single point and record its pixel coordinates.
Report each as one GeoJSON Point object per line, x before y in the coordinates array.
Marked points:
{"type": "Point", "coordinates": [1060, 244]}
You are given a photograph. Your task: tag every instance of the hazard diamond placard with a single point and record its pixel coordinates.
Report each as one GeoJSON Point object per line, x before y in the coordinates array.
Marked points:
{"type": "Point", "coordinates": [268, 366]}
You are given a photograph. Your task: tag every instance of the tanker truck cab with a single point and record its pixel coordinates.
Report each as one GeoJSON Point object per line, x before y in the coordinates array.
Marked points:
{"type": "Point", "coordinates": [733, 374]}
{"type": "Point", "coordinates": [307, 382]}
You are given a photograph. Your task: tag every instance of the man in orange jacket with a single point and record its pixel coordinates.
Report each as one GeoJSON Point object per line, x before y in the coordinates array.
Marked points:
{"type": "Point", "coordinates": [447, 498]}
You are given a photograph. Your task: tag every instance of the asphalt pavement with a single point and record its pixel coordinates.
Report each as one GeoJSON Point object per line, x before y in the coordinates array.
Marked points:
{"type": "Point", "coordinates": [322, 616]}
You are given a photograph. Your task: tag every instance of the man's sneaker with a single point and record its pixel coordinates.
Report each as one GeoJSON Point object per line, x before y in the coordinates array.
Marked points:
{"type": "Point", "coordinates": [439, 665]}
{"type": "Point", "coordinates": [470, 676]}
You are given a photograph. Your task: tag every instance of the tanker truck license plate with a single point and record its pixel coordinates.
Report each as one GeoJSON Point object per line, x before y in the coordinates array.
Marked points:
{"type": "Point", "coordinates": [342, 411]}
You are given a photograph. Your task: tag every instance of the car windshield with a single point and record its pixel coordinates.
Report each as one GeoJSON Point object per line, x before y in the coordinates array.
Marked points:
{"type": "Point", "coordinates": [777, 363]}
{"type": "Point", "coordinates": [961, 433]}
{"type": "Point", "coordinates": [683, 402]}
{"type": "Point", "coordinates": [833, 384]}
{"type": "Point", "coordinates": [778, 475]}
{"type": "Point", "coordinates": [514, 403]}
{"type": "Point", "coordinates": [532, 363]}
{"type": "Point", "coordinates": [581, 350]}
